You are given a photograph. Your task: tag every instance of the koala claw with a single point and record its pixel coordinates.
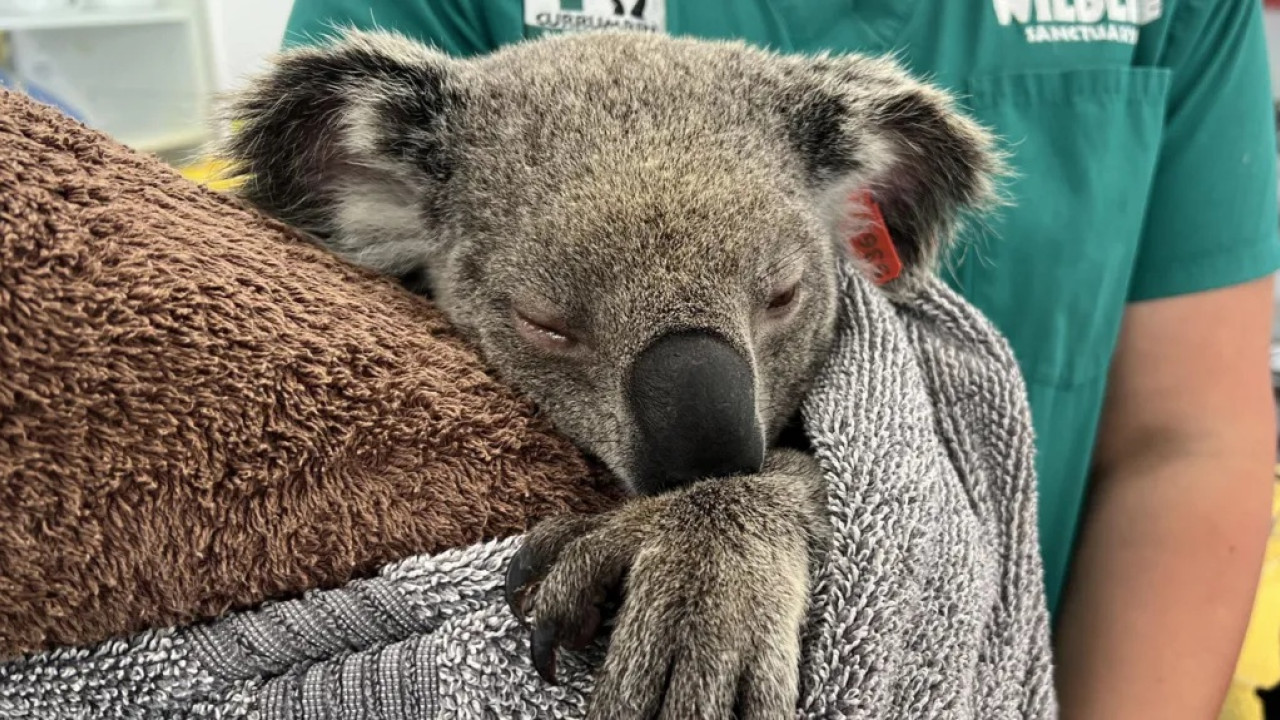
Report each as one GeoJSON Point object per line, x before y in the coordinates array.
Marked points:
{"type": "Point", "coordinates": [716, 579]}
{"type": "Point", "coordinates": [548, 637]}
{"type": "Point", "coordinates": [523, 575]}
{"type": "Point", "coordinates": [550, 552]}
{"type": "Point", "coordinates": [541, 549]}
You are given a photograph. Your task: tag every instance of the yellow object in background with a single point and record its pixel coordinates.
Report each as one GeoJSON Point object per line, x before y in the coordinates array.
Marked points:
{"type": "Point", "coordinates": [1259, 664]}
{"type": "Point", "coordinates": [210, 174]}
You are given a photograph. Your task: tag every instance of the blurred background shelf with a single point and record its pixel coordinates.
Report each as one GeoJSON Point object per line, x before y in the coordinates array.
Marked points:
{"type": "Point", "coordinates": [144, 75]}
{"type": "Point", "coordinates": [65, 19]}
{"type": "Point", "coordinates": [177, 140]}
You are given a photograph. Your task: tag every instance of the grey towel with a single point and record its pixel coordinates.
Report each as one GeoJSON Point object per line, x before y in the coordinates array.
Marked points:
{"type": "Point", "coordinates": [930, 604]}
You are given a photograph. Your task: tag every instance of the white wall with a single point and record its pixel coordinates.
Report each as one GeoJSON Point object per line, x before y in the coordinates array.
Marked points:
{"type": "Point", "coordinates": [244, 32]}
{"type": "Point", "coordinates": [1272, 21]}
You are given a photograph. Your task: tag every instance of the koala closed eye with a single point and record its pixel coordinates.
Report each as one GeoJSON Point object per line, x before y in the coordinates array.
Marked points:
{"type": "Point", "coordinates": [544, 332]}
{"type": "Point", "coordinates": [783, 302]}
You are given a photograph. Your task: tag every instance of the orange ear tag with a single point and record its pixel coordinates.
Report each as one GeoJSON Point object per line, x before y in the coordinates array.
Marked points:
{"type": "Point", "coordinates": [875, 245]}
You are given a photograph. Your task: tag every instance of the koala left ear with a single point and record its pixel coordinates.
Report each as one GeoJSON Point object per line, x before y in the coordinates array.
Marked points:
{"type": "Point", "coordinates": [864, 124]}
{"type": "Point", "coordinates": [351, 141]}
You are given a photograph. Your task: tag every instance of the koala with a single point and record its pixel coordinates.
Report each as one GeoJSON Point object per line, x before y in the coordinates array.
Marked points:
{"type": "Point", "coordinates": [641, 234]}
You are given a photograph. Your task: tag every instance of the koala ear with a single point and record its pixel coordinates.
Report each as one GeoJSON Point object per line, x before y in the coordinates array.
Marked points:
{"type": "Point", "coordinates": [862, 124]}
{"type": "Point", "coordinates": [351, 143]}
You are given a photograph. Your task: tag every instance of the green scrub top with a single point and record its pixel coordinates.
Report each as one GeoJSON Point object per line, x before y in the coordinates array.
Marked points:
{"type": "Point", "coordinates": [1142, 134]}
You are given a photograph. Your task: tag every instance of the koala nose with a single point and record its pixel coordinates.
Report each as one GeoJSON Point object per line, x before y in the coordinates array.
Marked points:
{"type": "Point", "coordinates": [693, 399]}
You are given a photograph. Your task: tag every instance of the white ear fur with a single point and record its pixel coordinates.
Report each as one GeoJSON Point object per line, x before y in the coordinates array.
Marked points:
{"type": "Point", "coordinates": [346, 142]}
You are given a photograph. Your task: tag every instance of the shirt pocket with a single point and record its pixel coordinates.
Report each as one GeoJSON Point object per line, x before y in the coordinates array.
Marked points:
{"type": "Point", "coordinates": [1052, 268]}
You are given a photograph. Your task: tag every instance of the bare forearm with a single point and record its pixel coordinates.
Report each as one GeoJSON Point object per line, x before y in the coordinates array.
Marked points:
{"type": "Point", "coordinates": [1162, 587]}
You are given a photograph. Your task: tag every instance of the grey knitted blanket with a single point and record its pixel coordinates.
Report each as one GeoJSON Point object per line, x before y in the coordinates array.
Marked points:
{"type": "Point", "coordinates": [929, 606]}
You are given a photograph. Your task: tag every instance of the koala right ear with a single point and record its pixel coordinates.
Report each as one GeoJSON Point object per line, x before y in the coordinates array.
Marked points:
{"type": "Point", "coordinates": [863, 124]}
{"type": "Point", "coordinates": [350, 142]}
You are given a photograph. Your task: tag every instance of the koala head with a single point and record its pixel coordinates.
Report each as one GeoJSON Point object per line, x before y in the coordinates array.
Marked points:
{"type": "Point", "coordinates": [640, 233]}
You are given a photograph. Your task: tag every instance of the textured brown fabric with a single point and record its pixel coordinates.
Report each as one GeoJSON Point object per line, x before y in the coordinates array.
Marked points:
{"type": "Point", "coordinates": [200, 411]}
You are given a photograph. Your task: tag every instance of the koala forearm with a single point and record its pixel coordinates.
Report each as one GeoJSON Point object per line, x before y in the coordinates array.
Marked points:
{"type": "Point", "coordinates": [717, 584]}
{"type": "Point", "coordinates": [806, 487]}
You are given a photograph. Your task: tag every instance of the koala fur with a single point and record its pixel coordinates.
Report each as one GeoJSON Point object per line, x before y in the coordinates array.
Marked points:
{"type": "Point", "coordinates": [641, 234]}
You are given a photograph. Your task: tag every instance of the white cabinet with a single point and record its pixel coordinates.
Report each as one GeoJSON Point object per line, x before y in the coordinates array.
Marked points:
{"type": "Point", "coordinates": [139, 70]}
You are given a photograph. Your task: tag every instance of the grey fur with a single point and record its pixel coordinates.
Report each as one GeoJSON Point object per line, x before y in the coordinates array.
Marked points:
{"type": "Point", "coordinates": [622, 187]}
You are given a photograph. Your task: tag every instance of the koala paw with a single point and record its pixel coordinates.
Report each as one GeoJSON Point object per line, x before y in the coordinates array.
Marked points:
{"type": "Point", "coordinates": [712, 582]}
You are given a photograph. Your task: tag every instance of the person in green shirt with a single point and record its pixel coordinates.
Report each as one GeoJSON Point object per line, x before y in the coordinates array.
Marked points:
{"type": "Point", "coordinates": [1132, 277]}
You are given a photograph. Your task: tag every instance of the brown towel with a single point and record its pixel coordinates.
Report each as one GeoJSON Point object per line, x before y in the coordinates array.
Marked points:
{"type": "Point", "coordinates": [200, 411]}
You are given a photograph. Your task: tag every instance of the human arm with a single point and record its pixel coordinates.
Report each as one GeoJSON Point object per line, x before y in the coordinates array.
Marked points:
{"type": "Point", "coordinates": [1169, 549]}
{"type": "Point", "coordinates": [1171, 546]}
